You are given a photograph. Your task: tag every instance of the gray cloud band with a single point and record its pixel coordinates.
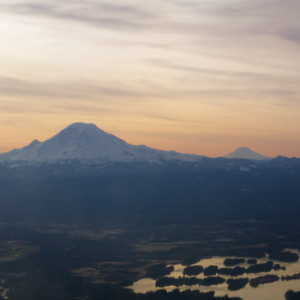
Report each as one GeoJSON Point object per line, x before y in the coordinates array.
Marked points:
{"type": "Point", "coordinates": [276, 17]}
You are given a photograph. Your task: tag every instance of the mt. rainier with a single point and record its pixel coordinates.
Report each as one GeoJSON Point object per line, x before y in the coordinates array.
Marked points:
{"type": "Point", "coordinates": [88, 142]}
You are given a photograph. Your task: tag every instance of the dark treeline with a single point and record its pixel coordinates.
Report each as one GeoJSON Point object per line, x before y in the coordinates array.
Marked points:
{"type": "Point", "coordinates": [237, 284]}
{"type": "Point", "coordinates": [258, 268]}
{"type": "Point", "coordinates": [278, 267]}
{"type": "Point", "coordinates": [290, 277]}
{"type": "Point", "coordinates": [98, 292]}
{"type": "Point", "coordinates": [291, 295]}
{"type": "Point", "coordinates": [188, 281]}
{"type": "Point", "coordinates": [252, 261]}
{"type": "Point", "coordinates": [284, 256]}
{"type": "Point", "coordinates": [210, 270]}
{"type": "Point", "coordinates": [159, 270]}
{"type": "Point", "coordinates": [193, 270]}
{"type": "Point", "coordinates": [229, 262]}
{"type": "Point", "coordinates": [186, 295]}
{"type": "Point", "coordinates": [237, 271]}
{"type": "Point", "coordinates": [255, 282]}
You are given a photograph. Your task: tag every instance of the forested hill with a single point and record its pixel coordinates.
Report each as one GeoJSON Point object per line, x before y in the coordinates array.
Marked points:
{"type": "Point", "coordinates": [208, 190]}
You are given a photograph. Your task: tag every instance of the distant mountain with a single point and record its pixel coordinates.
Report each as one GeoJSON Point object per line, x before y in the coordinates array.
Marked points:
{"type": "Point", "coordinates": [87, 142]}
{"type": "Point", "coordinates": [246, 153]}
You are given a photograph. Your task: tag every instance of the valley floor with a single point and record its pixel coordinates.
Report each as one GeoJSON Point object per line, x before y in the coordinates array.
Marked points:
{"type": "Point", "coordinates": [68, 261]}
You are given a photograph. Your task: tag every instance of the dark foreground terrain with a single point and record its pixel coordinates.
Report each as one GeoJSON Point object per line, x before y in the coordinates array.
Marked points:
{"type": "Point", "coordinates": [59, 261]}
{"type": "Point", "coordinates": [71, 231]}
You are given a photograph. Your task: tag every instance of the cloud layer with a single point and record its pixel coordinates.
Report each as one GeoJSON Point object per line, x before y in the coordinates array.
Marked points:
{"type": "Point", "coordinates": [231, 67]}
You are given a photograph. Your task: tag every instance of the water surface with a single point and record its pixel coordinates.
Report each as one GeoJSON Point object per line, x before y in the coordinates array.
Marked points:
{"type": "Point", "coordinates": [274, 291]}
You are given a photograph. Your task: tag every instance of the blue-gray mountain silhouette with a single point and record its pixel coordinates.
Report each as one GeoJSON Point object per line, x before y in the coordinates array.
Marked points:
{"type": "Point", "coordinates": [246, 153]}
{"type": "Point", "coordinates": [88, 142]}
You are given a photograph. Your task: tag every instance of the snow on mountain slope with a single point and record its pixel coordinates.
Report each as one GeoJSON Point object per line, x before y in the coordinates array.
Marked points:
{"type": "Point", "coordinates": [88, 142]}
{"type": "Point", "coordinates": [246, 153]}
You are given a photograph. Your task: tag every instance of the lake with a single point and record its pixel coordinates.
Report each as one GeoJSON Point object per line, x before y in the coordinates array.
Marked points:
{"type": "Point", "coordinates": [275, 290]}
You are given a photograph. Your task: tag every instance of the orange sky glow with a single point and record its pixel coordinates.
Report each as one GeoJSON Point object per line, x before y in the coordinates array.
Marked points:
{"type": "Point", "coordinates": [199, 77]}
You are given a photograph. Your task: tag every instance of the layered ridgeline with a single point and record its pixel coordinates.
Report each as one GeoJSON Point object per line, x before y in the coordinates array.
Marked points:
{"type": "Point", "coordinates": [87, 142]}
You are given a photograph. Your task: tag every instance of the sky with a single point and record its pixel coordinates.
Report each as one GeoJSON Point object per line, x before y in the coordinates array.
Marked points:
{"type": "Point", "coordinates": [195, 76]}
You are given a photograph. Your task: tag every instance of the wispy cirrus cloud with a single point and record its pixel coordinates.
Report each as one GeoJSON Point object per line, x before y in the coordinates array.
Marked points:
{"type": "Point", "coordinates": [277, 17]}
{"type": "Point", "coordinates": [222, 20]}
{"type": "Point", "coordinates": [262, 17]}
{"type": "Point", "coordinates": [161, 61]}
{"type": "Point", "coordinates": [74, 90]}
{"type": "Point", "coordinates": [95, 13]}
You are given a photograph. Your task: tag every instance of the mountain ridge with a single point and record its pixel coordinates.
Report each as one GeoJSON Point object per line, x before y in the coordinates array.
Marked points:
{"type": "Point", "coordinates": [88, 142]}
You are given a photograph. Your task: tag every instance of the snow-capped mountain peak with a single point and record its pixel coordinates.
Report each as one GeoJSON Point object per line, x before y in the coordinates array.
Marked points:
{"type": "Point", "coordinates": [246, 153]}
{"type": "Point", "coordinates": [88, 142]}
